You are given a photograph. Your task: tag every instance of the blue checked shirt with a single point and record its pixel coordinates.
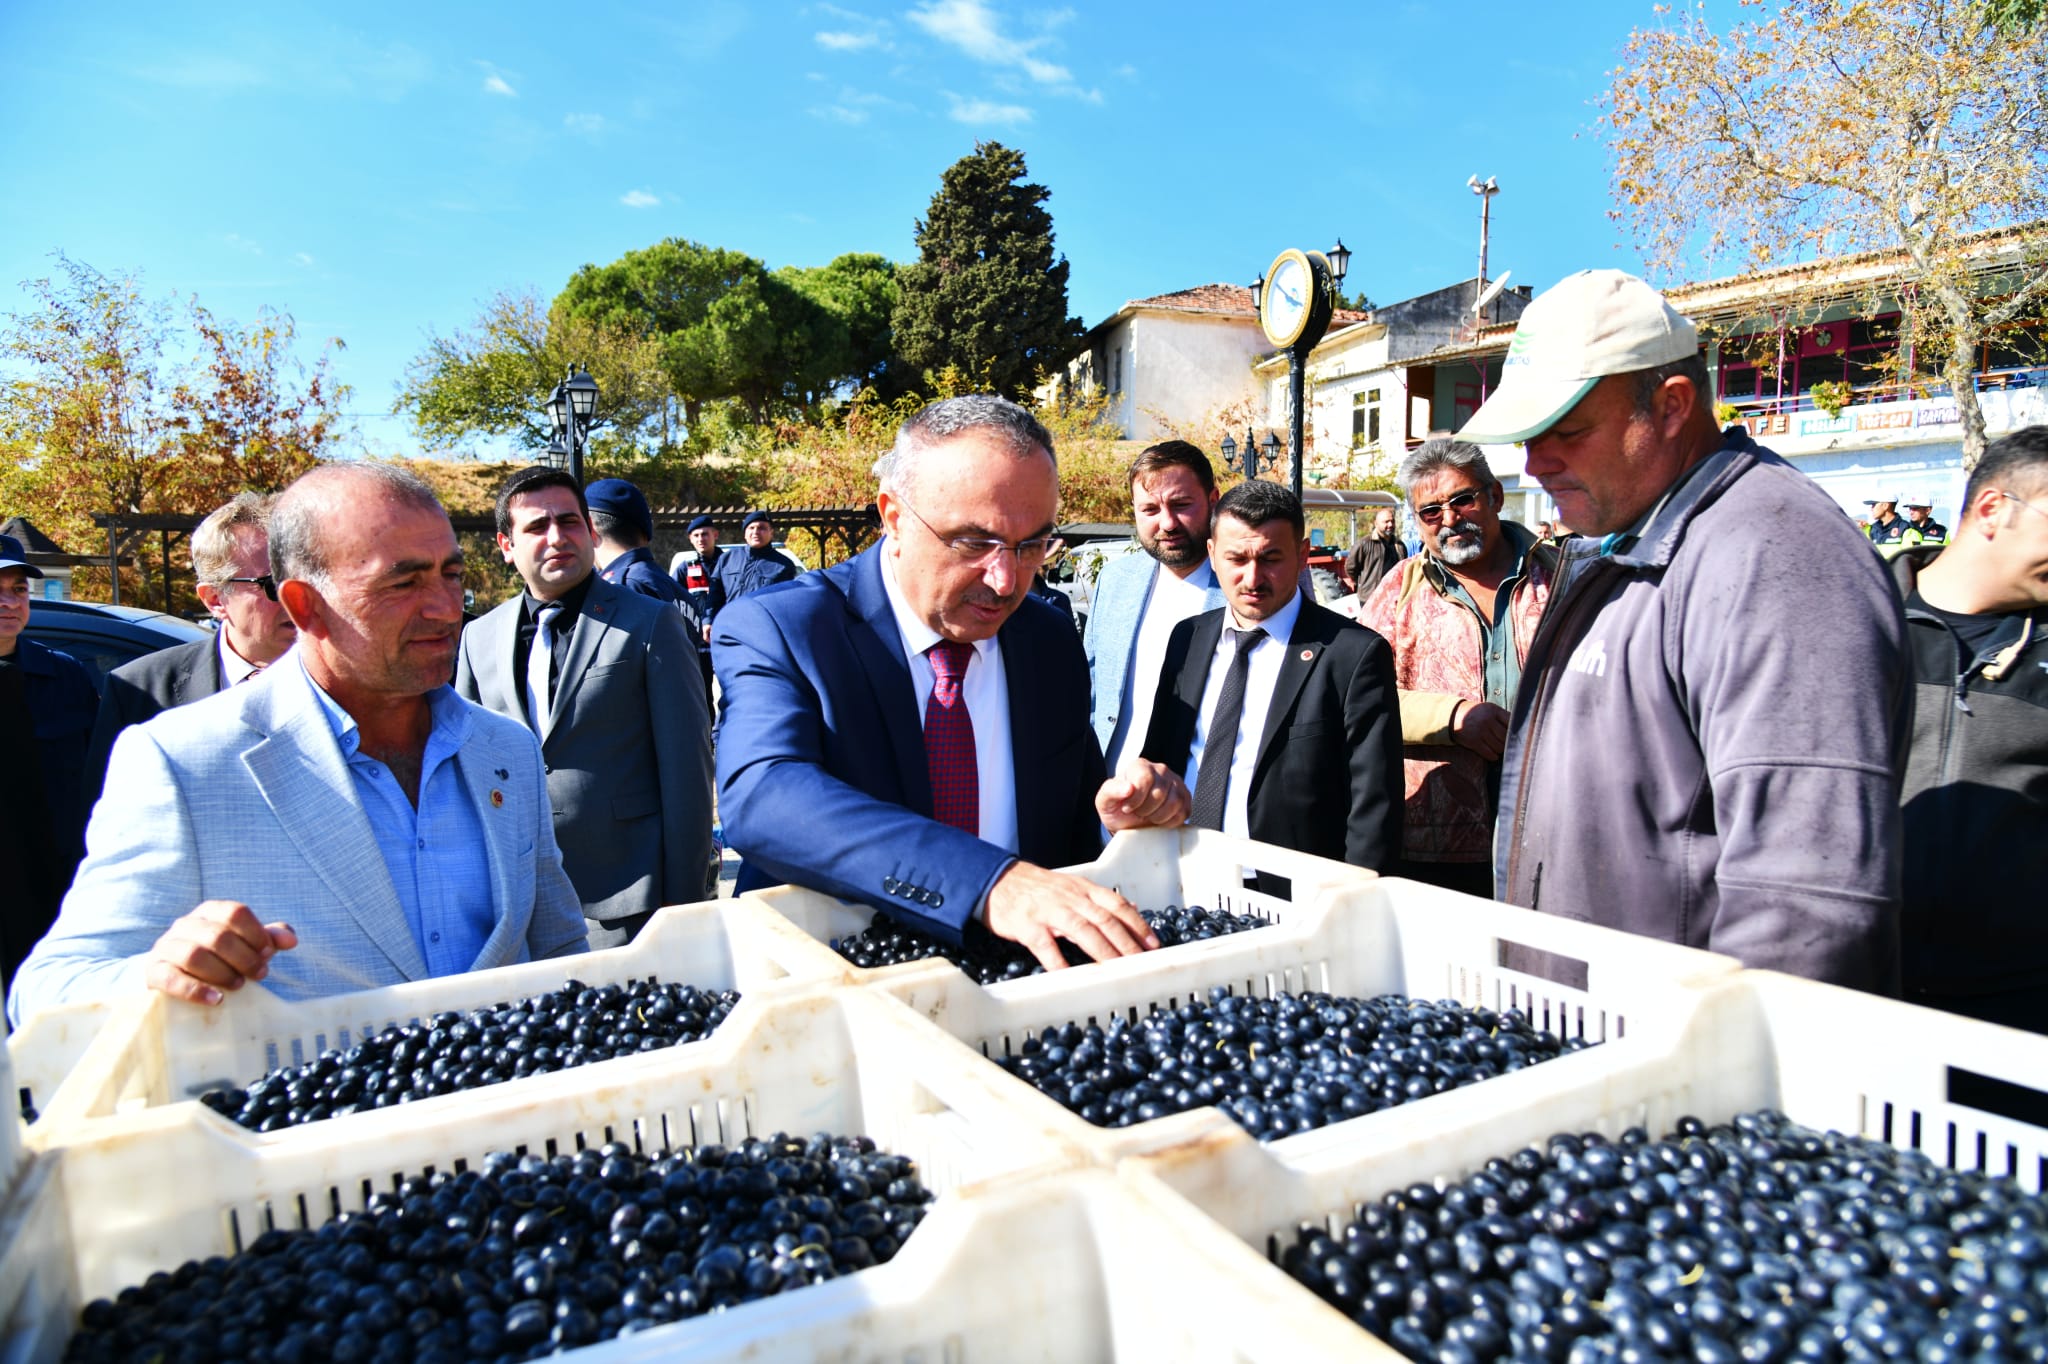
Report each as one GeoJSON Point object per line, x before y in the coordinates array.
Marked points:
{"type": "Point", "coordinates": [436, 853]}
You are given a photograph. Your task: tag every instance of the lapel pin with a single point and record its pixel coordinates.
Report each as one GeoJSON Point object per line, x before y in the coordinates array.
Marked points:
{"type": "Point", "coordinates": [502, 774]}
{"type": "Point", "coordinates": [497, 800]}
{"type": "Point", "coordinates": [1308, 655]}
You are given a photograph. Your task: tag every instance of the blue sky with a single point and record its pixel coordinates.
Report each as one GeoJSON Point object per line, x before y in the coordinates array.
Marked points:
{"type": "Point", "coordinates": [377, 170]}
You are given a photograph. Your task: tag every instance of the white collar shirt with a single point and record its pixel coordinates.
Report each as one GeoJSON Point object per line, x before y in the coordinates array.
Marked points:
{"type": "Point", "coordinates": [1266, 658]}
{"type": "Point", "coordinates": [987, 694]}
{"type": "Point", "coordinates": [1172, 600]}
{"type": "Point", "coordinates": [234, 669]}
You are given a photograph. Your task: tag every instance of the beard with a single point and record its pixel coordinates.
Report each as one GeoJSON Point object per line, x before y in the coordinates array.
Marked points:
{"type": "Point", "coordinates": [1178, 552]}
{"type": "Point", "coordinates": [1462, 543]}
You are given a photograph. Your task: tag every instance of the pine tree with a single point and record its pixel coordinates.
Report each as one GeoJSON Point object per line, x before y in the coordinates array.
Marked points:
{"type": "Point", "coordinates": [986, 293]}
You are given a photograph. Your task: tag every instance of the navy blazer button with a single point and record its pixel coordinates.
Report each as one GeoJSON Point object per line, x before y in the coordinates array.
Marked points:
{"type": "Point", "coordinates": [889, 885]}
{"type": "Point", "coordinates": [937, 899]}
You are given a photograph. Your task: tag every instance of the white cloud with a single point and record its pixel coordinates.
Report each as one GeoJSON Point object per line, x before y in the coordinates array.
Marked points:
{"type": "Point", "coordinates": [839, 113]}
{"type": "Point", "coordinates": [303, 258]}
{"type": "Point", "coordinates": [583, 123]}
{"type": "Point", "coordinates": [495, 82]}
{"type": "Point", "coordinates": [975, 29]}
{"type": "Point", "coordinates": [855, 106]}
{"type": "Point", "coordinates": [983, 111]}
{"type": "Point", "coordinates": [848, 42]}
{"type": "Point", "coordinates": [639, 198]}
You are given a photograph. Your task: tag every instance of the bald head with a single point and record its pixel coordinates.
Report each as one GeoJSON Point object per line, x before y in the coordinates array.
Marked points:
{"type": "Point", "coordinates": [331, 495]}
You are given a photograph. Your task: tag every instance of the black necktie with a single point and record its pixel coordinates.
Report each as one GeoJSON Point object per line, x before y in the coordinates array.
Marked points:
{"type": "Point", "coordinates": [1219, 746]}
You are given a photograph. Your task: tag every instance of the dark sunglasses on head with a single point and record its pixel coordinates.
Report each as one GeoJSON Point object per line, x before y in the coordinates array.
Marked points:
{"type": "Point", "coordinates": [1429, 513]}
{"type": "Point", "coordinates": [266, 582]}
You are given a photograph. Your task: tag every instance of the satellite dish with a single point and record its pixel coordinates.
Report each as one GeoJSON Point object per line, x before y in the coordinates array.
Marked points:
{"type": "Point", "coordinates": [1492, 292]}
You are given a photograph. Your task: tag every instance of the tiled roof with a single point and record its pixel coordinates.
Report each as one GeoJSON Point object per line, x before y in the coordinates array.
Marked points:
{"type": "Point", "coordinates": [1233, 299]}
{"type": "Point", "coordinates": [1203, 298]}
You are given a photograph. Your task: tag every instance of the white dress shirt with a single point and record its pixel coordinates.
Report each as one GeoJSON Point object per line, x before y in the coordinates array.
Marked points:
{"type": "Point", "coordinates": [234, 668]}
{"type": "Point", "coordinates": [988, 704]}
{"type": "Point", "coordinates": [1172, 600]}
{"type": "Point", "coordinates": [1264, 675]}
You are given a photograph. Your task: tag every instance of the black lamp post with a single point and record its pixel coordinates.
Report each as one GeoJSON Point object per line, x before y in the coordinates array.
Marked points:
{"type": "Point", "coordinates": [1254, 457]}
{"type": "Point", "coordinates": [1339, 257]}
{"type": "Point", "coordinates": [570, 408]}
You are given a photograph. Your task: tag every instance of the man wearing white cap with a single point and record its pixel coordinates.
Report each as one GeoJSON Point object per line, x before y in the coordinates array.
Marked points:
{"type": "Point", "coordinates": [1686, 760]}
{"type": "Point", "coordinates": [1887, 527]}
{"type": "Point", "coordinates": [1921, 527]}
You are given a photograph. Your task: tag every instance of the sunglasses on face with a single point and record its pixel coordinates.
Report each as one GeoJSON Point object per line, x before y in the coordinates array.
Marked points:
{"type": "Point", "coordinates": [266, 582]}
{"type": "Point", "coordinates": [1429, 513]}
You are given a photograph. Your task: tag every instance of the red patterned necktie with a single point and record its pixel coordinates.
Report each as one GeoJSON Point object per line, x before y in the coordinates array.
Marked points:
{"type": "Point", "coordinates": [949, 740]}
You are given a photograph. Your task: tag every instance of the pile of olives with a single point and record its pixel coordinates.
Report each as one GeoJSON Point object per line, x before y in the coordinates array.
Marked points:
{"type": "Point", "coordinates": [449, 1052]}
{"type": "Point", "coordinates": [1754, 1242]}
{"type": "Point", "coordinates": [525, 1256]}
{"type": "Point", "coordinates": [1279, 1065]}
{"type": "Point", "coordinates": [991, 960]}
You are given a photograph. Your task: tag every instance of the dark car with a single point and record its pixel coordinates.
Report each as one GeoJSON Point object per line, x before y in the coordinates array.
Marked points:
{"type": "Point", "coordinates": [103, 637]}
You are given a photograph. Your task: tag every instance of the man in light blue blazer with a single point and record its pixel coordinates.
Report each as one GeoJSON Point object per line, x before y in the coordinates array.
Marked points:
{"type": "Point", "coordinates": [1140, 598]}
{"type": "Point", "coordinates": [344, 821]}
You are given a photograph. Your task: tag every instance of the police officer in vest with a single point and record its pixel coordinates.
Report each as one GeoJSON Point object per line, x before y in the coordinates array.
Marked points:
{"type": "Point", "coordinates": [1921, 527]}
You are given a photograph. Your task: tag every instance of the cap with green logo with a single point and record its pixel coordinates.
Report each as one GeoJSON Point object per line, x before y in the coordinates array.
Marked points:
{"type": "Point", "coordinates": [1576, 333]}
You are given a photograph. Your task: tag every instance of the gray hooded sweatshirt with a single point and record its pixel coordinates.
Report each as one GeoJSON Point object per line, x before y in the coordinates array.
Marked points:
{"type": "Point", "coordinates": [1711, 729]}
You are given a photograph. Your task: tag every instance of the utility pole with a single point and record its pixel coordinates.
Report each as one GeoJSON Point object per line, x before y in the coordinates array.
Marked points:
{"type": "Point", "coordinates": [1485, 191]}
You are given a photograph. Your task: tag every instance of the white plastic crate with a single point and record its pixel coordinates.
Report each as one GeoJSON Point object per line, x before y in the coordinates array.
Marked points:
{"type": "Point", "coordinates": [1152, 868]}
{"type": "Point", "coordinates": [43, 1050]}
{"type": "Point", "coordinates": [1059, 1270]}
{"type": "Point", "coordinates": [1377, 937]}
{"type": "Point", "coordinates": [38, 1289]}
{"type": "Point", "coordinates": [11, 1152]}
{"type": "Point", "coordinates": [154, 1050]}
{"type": "Point", "coordinates": [1970, 1095]}
{"type": "Point", "coordinates": [181, 1184]}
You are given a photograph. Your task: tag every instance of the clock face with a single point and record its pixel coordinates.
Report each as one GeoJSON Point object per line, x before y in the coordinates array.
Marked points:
{"type": "Point", "coordinates": [1286, 304]}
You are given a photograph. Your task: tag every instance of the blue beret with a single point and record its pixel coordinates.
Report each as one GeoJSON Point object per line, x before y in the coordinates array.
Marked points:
{"type": "Point", "coordinates": [697, 524]}
{"type": "Point", "coordinates": [616, 497]}
{"type": "Point", "coordinates": [752, 517]}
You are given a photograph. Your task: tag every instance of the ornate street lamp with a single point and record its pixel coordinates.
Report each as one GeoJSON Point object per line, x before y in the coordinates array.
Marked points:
{"type": "Point", "coordinates": [570, 409]}
{"type": "Point", "coordinates": [1339, 257]}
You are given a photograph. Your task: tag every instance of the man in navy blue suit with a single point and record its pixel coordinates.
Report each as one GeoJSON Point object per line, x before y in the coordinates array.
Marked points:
{"type": "Point", "coordinates": [907, 730]}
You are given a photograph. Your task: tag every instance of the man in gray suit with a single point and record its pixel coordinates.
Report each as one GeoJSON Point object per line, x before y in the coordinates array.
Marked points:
{"type": "Point", "coordinates": [231, 560]}
{"type": "Point", "coordinates": [404, 831]}
{"type": "Point", "coordinates": [608, 679]}
{"type": "Point", "coordinates": [1139, 599]}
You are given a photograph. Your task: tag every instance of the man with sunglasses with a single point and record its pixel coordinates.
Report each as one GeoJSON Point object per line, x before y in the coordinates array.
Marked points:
{"type": "Point", "coordinates": [1684, 762]}
{"type": "Point", "coordinates": [1460, 617]}
{"type": "Point", "coordinates": [906, 730]}
{"type": "Point", "coordinates": [231, 560]}
{"type": "Point", "coordinates": [1976, 796]}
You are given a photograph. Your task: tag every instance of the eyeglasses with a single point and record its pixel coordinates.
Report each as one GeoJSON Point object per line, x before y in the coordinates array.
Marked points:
{"type": "Point", "coordinates": [2021, 500]}
{"type": "Point", "coordinates": [266, 582]}
{"type": "Point", "coordinates": [979, 549]}
{"type": "Point", "coordinates": [1429, 513]}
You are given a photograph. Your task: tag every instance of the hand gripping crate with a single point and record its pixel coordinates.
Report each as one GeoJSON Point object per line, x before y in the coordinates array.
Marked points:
{"type": "Point", "coordinates": [1377, 937]}
{"type": "Point", "coordinates": [1059, 1270]}
{"type": "Point", "coordinates": [1152, 868]}
{"type": "Point", "coordinates": [156, 1050]}
{"type": "Point", "coordinates": [180, 1184]}
{"type": "Point", "coordinates": [1969, 1095]}
{"type": "Point", "coordinates": [44, 1049]}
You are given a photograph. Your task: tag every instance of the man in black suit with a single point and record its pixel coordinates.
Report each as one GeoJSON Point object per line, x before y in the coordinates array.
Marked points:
{"type": "Point", "coordinates": [1281, 716]}
{"type": "Point", "coordinates": [231, 560]}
